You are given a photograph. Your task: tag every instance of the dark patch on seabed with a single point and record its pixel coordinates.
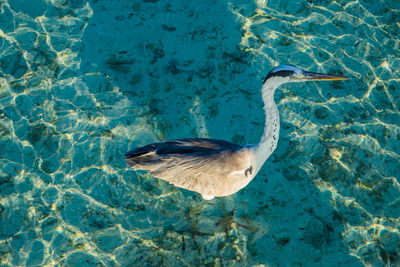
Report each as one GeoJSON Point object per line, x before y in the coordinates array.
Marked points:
{"type": "Point", "coordinates": [82, 82]}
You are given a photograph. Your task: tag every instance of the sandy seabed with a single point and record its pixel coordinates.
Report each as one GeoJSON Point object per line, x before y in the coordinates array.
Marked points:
{"type": "Point", "coordinates": [82, 82]}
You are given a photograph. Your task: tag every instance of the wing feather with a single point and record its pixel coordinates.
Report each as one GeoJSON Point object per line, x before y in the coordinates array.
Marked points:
{"type": "Point", "coordinates": [206, 166]}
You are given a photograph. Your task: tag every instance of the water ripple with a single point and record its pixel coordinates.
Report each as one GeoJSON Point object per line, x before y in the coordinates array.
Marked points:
{"type": "Point", "coordinates": [83, 81]}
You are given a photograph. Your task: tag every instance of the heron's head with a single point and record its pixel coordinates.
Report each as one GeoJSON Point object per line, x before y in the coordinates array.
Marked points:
{"type": "Point", "coordinates": [289, 73]}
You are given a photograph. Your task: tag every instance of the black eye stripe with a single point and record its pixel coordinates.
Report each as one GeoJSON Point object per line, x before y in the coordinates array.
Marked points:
{"type": "Point", "coordinates": [280, 73]}
{"type": "Point", "coordinates": [283, 73]}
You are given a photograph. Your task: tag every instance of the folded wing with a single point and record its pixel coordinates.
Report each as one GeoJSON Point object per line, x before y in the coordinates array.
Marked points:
{"type": "Point", "coordinates": [197, 164]}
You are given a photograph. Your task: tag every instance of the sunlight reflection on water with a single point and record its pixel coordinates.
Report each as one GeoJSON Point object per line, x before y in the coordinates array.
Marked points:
{"type": "Point", "coordinates": [82, 82]}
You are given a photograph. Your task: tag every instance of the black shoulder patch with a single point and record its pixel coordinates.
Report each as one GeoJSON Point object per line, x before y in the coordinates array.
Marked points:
{"type": "Point", "coordinates": [248, 171]}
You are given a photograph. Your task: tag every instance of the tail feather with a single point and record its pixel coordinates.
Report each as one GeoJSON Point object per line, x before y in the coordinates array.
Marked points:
{"type": "Point", "coordinates": [139, 151]}
{"type": "Point", "coordinates": [143, 158]}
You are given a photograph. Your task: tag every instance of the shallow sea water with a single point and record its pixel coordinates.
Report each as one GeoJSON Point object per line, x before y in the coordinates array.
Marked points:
{"type": "Point", "coordinates": [82, 82]}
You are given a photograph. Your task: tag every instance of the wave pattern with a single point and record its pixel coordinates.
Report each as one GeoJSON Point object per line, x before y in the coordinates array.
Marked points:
{"type": "Point", "coordinates": [81, 82]}
{"type": "Point", "coordinates": [346, 139]}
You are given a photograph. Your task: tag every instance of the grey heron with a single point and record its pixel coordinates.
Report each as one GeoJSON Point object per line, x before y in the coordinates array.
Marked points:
{"type": "Point", "coordinates": [214, 167]}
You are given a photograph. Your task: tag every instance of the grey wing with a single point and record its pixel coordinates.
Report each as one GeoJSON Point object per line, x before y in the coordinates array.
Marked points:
{"type": "Point", "coordinates": [180, 147]}
{"type": "Point", "coordinates": [196, 164]}
{"type": "Point", "coordinates": [152, 157]}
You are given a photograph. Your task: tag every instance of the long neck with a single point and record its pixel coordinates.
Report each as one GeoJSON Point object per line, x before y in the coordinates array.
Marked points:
{"type": "Point", "coordinates": [269, 139]}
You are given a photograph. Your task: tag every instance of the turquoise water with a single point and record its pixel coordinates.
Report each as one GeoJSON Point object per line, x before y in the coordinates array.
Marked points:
{"type": "Point", "coordinates": [83, 82]}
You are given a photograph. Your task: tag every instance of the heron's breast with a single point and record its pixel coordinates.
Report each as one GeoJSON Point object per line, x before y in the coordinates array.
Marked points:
{"type": "Point", "coordinates": [240, 171]}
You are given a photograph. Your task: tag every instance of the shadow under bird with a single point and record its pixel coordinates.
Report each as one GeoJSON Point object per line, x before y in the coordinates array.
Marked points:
{"type": "Point", "coordinates": [219, 168]}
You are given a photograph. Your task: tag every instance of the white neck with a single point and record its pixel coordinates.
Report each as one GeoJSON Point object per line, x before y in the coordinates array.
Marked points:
{"type": "Point", "coordinates": [270, 137]}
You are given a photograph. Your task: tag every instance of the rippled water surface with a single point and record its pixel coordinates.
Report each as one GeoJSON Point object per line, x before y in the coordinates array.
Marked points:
{"type": "Point", "coordinates": [82, 82]}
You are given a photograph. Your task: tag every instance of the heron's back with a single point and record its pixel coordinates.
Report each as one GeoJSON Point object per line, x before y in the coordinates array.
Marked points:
{"type": "Point", "coordinates": [208, 166]}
